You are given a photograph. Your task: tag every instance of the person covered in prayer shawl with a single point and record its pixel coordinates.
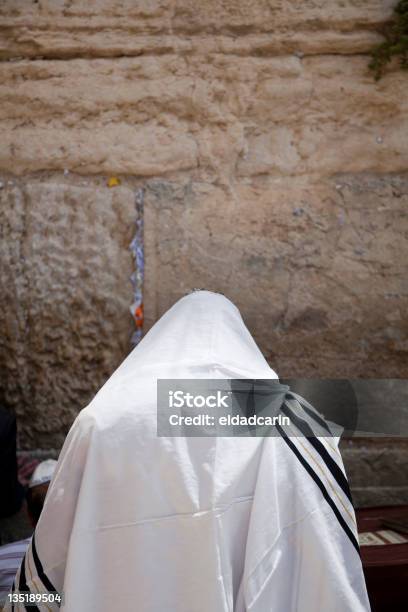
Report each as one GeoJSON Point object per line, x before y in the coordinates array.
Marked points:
{"type": "Point", "coordinates": [12, 553]}
{"type": "Point", "coordinates": [136, 521]}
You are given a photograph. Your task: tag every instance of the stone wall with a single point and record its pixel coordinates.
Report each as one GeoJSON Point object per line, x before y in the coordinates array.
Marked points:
{"type": "Point", "coordinates": [65, 296]}
{"type": "Point", "coordinates": [377, 471]}
{"type": "Point", "coordinates": [274, 170]}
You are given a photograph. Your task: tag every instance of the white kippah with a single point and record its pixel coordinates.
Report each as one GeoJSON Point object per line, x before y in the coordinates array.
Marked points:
{"type": "Point", "coordinates": [42, 473]}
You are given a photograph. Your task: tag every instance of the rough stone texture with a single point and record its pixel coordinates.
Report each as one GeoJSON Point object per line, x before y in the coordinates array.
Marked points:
{"type": "Point", "coordinates": [319, 272]}
{"type": "Point", "coordinates": [275, 171]}
{"type": "Point", "coordinates": [61, 28]}
{"type": "Point", "coordinates": [217, 117]}
{"type": "Point", "coordinates": [64, 297]}
{"type": "Point", "coordinates": [377, 471]}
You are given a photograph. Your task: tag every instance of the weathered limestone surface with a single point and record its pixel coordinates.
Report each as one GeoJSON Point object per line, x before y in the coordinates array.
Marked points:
{"type": "Point", "coordinates": [319, 269]}
{"type": "Point", "coordinates": [274, 167]}
{"type": "Point", "coordinates": [216, 117]}
{"type": "Point", "coordinates": [377, 471]}
{"type": "Point", "coordinates": [64, 297]}
{"type": "Point", "coordinates": [61, 28]}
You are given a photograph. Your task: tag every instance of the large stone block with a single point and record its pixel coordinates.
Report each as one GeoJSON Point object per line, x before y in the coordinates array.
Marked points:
{"type": "Point", "coordinates": [318, 269]}
{"type": "Point", "coordinates": [65, 294]}
{"type": "Point", "coordinates": [114, 27]}
{"type": "Point", "coordinates": [376, 470]}
{"type": "Point", "coordinates": [217, 116]}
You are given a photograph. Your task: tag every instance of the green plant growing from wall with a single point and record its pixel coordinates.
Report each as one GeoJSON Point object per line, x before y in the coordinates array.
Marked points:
{"type": "Point", "coordinates": [396, 43]}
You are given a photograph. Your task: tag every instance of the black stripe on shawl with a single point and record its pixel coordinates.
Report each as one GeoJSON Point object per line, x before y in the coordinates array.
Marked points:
{"type": "Point", "coordinates": [23, 586]}
{"type": "Point", "coordinates": [316, 417]}
{"type": "Point", "coordinates": [322, 488]}
{"type": "Point", "coordinates": [336, 472]}
{"type": "Point", "coordinates": [40, 571]}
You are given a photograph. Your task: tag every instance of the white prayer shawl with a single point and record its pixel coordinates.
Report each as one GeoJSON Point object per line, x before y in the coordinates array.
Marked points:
{"type": "Point", "coordinates": [133, 521]}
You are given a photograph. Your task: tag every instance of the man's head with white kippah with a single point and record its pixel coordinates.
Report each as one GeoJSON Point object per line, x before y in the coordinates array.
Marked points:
{"type": "Point", "coordinates": [38, 487]}
{"type": "Point", "coordinates": [42, 473]}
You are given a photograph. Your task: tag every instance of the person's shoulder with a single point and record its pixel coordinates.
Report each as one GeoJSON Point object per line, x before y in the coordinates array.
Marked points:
{"type": "Point", "coordinates": [12, 548]}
